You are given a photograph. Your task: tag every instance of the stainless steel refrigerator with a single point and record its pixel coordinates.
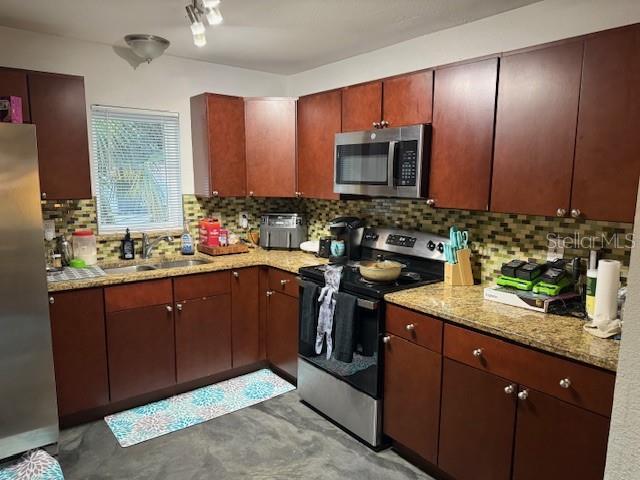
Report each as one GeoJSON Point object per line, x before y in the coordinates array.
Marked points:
{"type": "Point", "coordinates": [28, 408]}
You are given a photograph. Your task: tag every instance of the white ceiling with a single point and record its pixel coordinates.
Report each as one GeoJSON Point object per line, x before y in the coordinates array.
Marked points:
{"type": "Point", "coordinates": [279, 36]}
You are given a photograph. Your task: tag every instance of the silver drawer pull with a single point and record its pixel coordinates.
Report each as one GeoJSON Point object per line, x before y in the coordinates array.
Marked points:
{"type": "Point", "coordinates": [565, 383]}
{"type": "Point", "coordinates": [523, 394]}
{"type": "Point", "coordinates": [477, 352]}
{"type": "Point", "coordinates": [386, 339]}
{"type": "Point", "coordinates": [283, 282]}
{"type": "Point", "coordinates": [509, 389]}
{"type": "Point", "coordinates": [169, 309]}
{"type": "Point", "coordinates": [410, 328]}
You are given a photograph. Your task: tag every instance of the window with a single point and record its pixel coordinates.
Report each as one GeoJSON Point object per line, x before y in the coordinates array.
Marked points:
{"type": "Point", "coordinates": [137, 168]}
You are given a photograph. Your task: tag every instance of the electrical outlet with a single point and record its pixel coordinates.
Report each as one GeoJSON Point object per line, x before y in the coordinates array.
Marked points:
{"type": "Point", "coordinates": [243, 220]}
{"type": "Point", "coordinates": [49, 229]}
{"type": "Point", "coordinates": [218, 215]}
{"type": "Point", "coordinates": [555, 251]}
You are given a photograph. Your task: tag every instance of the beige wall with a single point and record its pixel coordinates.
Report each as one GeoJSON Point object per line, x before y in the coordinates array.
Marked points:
{"type": "Point", "coordinates": [165, 84]}
{"type": "Point", "coordinates": [533, 24]}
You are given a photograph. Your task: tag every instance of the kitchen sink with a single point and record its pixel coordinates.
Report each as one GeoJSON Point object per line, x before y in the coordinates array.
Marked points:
{"type": "Point", "coordinates": [129, 269]}
{"type": "Point", "coordinates": [180, 263]}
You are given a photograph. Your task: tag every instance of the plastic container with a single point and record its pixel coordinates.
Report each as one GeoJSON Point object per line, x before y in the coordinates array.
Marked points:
{"type": "Point", "coordinates": [84, 246]}
{"type": "Point", "coordinates": [209, 232]}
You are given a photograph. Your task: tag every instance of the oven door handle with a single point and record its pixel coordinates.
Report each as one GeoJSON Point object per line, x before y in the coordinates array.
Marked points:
{"type": "Point", "coordinates": [391, 164]}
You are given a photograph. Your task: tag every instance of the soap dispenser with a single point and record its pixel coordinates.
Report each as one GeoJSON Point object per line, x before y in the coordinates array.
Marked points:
{"type": "Point", "coordinates": [127, 247]}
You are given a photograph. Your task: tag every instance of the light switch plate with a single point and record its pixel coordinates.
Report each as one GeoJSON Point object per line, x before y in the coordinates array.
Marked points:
{"type": "Point", "coordinates": [243, 220]}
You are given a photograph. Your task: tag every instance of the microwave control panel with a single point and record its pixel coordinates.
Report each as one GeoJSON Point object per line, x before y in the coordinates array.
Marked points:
{"type": "Point", "coordinates": [407, 163]}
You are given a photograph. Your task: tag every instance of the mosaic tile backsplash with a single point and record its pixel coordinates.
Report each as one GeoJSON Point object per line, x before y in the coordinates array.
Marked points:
{"type": "Point", "coordinates": [495, 238]}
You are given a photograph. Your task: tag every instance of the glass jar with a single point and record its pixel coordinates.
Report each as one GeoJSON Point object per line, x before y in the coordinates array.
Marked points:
{"type": "Point", "coordinates": [84, 246]}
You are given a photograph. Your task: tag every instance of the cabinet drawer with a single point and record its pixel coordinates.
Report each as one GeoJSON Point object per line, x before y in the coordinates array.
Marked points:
{"type": "Point", "coordinates": [588, 387]}
{"type": "Point", "coordinates": [415, 327]}
{"type": "Point", "coordinates": [283, 282]}
{"type": "Point", "coordinates": [140, 294]}
{"type": "Point", "coordinates": [202, 285]}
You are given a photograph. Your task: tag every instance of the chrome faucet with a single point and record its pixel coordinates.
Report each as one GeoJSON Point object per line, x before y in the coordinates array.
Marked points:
{"type": "Point", "coordinates": [147, 246]}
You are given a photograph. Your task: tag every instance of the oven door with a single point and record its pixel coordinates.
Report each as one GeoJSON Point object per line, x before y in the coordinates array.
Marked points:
{"type": "Point", "coordinates": [364, 372]}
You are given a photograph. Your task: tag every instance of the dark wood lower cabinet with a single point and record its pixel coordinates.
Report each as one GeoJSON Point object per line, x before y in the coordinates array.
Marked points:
{"type": "Point", "coordinates": [79, 350]}
{"type": "Point", "coordinates": [477, 423]}
{"type": "Point", "coordinates": [557, 441]}
{"type": "Point", "coordinates": [203, 337]}
{"type": "Point", "coordinates": [245, 317]}
{"type": "Point", "coordinates": [141, 348]}
{"type": "Point", "coordinates": [282, 332]}
{"type": "Point", "coordinates": [412, 396]}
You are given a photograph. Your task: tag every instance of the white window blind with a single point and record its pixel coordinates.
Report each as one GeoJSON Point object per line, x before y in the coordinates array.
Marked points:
{"type": "Point", "coordinates": [137, 168]}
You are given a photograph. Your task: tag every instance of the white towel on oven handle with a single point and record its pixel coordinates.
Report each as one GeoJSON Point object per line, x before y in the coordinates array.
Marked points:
{"type": "Point", "coordinates": [332, 276]}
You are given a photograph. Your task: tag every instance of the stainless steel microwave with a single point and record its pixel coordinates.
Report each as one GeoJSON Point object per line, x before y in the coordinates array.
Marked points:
{"type": "Point", "coordinates": [391, 162]}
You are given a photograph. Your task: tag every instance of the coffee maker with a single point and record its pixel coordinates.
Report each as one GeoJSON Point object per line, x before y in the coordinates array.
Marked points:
{"type": "Point", "coordinates": [350, 230]}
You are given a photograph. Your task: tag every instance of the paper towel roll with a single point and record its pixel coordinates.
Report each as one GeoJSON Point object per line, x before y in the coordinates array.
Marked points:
{"type": "Point", "coordinates": [607, 285]}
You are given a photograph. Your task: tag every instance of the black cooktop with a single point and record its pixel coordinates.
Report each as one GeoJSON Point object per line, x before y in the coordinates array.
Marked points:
{"type": "Point", "coordinates": [416, 273]}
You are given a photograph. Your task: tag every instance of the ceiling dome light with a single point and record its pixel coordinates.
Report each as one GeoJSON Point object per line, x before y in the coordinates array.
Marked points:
{"type": "Point", "coordinates": [214, 16]}
{"type": "Point", "coordinates": [200, 40]}
{"type": "Point", "coordinates": [147, 47]}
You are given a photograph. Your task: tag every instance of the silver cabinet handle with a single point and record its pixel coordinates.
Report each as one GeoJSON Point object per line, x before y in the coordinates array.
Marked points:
{"type": "Point", "coordinates": [43, 195]}
{"type": "Point", "coordinates": [384, 124]}
{"type": "Point", "coordinates": [477, 352]}
{"type": "Point", "coordinates": [179, 306]}
{"type": "Point", "coordinates": [509, 389]}
{"type": "Point", "coordinates": [52, 300]}
{"type": "Point", "coordinates": [431, 202]}
{"type": "Point", "coordinates": [376, 124]}
{"type": "Point", "coordinates": [283, 282]}
{"type": "Point", "coordinates": [410, 328]}
{"type": "Point", "coordinates": [386, 339]}
{"type": "Point", "coordinates": [251, 193]}
{"type": "Point", "coordinates": [576, 213]}
{"type": "Point", "coordinates": [269, 293]}
{"type": "Point", "coordinates": [565, 383]}
{"type": "Point", "coordinates": [523, 394]}
{"type": "Point", "coordinates": [236, 274]}
{"type": "Point", "coordinates": [169, 309]}
{"type": "Point", "coordinates": [561, 212]}
{"type": "Point", "coordinates": [215, 193]}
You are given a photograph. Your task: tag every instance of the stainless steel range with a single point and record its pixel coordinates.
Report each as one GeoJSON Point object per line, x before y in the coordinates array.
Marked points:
{"type": "Point", "coordinates": [351, 393]}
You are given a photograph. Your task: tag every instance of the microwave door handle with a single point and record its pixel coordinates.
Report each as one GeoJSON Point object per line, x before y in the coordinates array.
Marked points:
{"type": "Point", "coordinates": [391, 177]}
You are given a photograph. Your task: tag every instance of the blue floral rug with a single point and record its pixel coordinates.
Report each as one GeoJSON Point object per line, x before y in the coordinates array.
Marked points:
{"type": "Point", "coordinates": [187, 409]}
{"type": "Point", "coordinates": [33, 465]}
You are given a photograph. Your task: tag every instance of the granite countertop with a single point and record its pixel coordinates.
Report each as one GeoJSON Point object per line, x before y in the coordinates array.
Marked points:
{"type": "Point", "coordinates": [284, 260]}
{"type": "Point", "coordinates": [552, 333]}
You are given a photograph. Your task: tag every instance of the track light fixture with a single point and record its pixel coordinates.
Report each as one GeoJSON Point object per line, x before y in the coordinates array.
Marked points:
{"type": "Point", "coordinates": [203, 8]}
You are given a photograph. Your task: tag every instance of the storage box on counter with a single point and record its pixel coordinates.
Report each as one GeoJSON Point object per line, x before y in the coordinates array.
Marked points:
{"type": "Point", "coordinates": [11, 109]}
{"type": "Point", "coordinates": [524, 299]}
{"type": "Point", "coordinates": [209, 232]}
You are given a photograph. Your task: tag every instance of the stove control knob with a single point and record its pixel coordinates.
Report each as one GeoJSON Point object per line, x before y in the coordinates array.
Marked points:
{"type": "Point", "coordinates": [441, 247]}
{"type": "Point", "coordinates": [431, 246]}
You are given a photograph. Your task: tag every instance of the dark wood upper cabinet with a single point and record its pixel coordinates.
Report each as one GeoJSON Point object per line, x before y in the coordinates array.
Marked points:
{"type": "Point", "coordinates": [536, 129]}
{"type": "Point", "coordinates": [412, 396]}
{"type": "Point", "coordinates": [319, 119]}
{"type": "Point", "coordinates": [270, 125]}
{"type": "Point", "coordinates": [14, 83]}
{"type": "Point", "coordinates": [141, 346]}
{"type": "Point", "coordinates": [245, 316]}
{"type": "Point", "coordinates": [282, 332]}
{"type": "Point", "coordinates": [361, 106]}
{"type": "Point", "coordinates": [476, 424]}
{"type": "Point", "coordinates": [462, 146]}
{"type": "Point", "coordinates": [555, 440]}
{"type": "Point", "coordinates": [607, 160]}
{"type": "Point", "coordinates": [217, 136]}
{"type": "Point", "coordinates": [59, 111]}
{"type": "Point", "coordinates": [203, 337]}
{"type": "Point", "coordinates": [79, 350]}
{"type": "Point", "coordinates": [407, 99]}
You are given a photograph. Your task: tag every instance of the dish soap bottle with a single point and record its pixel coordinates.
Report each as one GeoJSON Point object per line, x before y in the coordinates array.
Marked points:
{"type": "Point", "coordinates": [127, 247]}
{"type": "Point", "coordinates": [187, 240]}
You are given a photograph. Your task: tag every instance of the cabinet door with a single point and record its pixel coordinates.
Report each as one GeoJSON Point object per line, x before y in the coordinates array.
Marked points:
{"type": "Point", "coordinates": [14, 83]}
{"type": "Point", "coordinates": [607, 164]}
{"type": "Point", "coordinates": [556, 440]}
{"type": "Point", "coordinates": [319, 119]}
{"type": "Point", "coordinates": [79, 350]}
{"type": "Point", "coordinates": [245, 317]}
{"type": "Point", "coordinates": [536, 130]}
{"type": "Point", "coordinates": [361, 106]}
{"type": "Point", "coordinates": [407, 99]}
{"type": "Point", "coordinates": [412, 396]}
{"type": "Point", "coordinates": [282, 332]}
{"type": "Point", "coordinates": [217, 134]}
{"type": "Point", "coordinates": [271, 147]}
{"type": "Point", "coordinates": [59, 111]}
{"type": "Point", "coordinates": [203, 337]}
{"type": "Point", "coordinates": [141, 346]}
{"type": "Point", "coordinates": [476, 424]}
{"type": "Point", "coordinates": [464, 111]}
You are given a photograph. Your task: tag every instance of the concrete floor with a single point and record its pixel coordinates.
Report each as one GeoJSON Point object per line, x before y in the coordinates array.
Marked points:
{"type": "Point", "coordinates": [277, 439]}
